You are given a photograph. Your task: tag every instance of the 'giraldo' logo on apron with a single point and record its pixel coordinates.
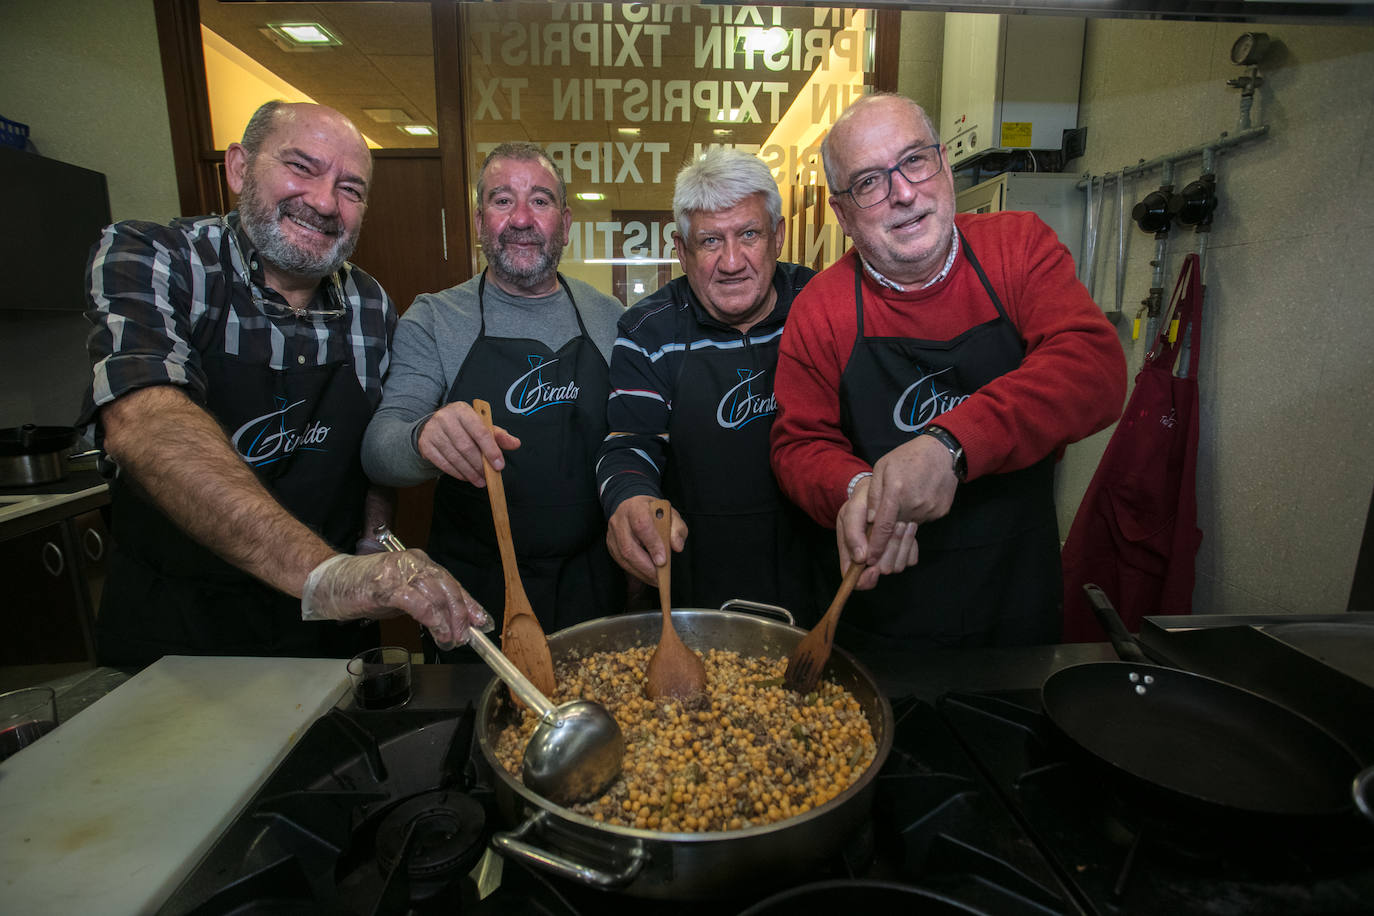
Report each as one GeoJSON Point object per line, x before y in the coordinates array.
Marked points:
{"type": "Point", "coordinates": [530, 392]}
{"type": "Point", "coordinates": [741, 406]}
{"type": "Point", "coordinates": [265, 439]}
{"type": "Point", "coordinates": [923, 401]}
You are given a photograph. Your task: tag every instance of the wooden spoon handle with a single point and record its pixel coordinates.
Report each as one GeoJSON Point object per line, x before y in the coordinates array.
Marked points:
{"type": "Point", "coordinates": [500, 515]}
{"type": "Point", "coordinates": [851, 579]}
{"type": "Point", "coordinates": [663, 524]}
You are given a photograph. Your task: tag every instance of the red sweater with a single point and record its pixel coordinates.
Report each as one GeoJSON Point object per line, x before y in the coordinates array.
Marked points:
{"type": "Point", "coordinates": [1071, 383]}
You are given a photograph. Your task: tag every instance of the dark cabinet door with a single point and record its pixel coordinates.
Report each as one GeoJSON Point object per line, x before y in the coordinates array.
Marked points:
{"type": "Point", "coordinates": [43, 612]}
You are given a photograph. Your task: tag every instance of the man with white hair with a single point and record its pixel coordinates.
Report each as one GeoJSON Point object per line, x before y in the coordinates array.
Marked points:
{"type": "Point", "coordinates": [692, 401]}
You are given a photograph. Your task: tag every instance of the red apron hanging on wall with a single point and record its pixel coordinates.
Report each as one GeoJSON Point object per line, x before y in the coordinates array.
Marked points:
{"type": "Point", "coordinates": [1135, 534]}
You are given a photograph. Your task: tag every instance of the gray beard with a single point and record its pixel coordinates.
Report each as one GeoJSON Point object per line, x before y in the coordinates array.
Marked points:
{"type": "Point", "coordinates": [262, 224]}
{"type": "Point", "coordinates": [544, 266]}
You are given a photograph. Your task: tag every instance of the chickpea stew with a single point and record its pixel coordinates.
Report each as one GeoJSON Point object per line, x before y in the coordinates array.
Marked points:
{"type": "Point", "coordinates": [749, 752]}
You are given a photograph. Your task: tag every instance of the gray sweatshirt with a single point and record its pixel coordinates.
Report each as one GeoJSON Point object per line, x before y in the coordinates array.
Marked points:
{"type": "Point", "coordinates": [432, 340]}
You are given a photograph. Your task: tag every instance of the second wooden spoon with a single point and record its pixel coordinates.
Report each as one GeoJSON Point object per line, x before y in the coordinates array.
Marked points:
{"type": "Point", "coordinates": [805, 664]}
{"type": "Point", "coordinates": [522, 638]}
{"type": "Point", "coordinates": [674, 670]}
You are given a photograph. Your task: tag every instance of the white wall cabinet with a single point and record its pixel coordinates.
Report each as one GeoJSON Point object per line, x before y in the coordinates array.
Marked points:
{"type": "Point", "coordinates": [1009, 82]}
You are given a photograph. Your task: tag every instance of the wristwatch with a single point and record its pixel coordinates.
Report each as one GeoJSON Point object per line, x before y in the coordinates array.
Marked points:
{"type": "Point", "coordinates": [956, 451]}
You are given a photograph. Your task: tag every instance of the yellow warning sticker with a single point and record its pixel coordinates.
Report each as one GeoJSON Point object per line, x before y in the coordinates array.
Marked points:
{"type": "Point", "coordinates": [1016, 133]}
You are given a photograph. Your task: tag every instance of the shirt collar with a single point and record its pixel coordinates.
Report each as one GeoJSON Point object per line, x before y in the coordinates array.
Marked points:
{"type": "Point", "coordinates": [944, 271]}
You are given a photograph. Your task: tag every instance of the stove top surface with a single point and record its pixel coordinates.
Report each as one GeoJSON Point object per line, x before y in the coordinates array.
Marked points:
{"type": "Point", "coordinates": [976, 811]}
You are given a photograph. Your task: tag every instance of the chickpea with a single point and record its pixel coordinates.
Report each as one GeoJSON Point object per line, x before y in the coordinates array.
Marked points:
{"type": "Point", "coordinates": [713, 767]}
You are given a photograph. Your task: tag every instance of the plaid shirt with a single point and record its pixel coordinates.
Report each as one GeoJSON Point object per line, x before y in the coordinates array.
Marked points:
{"type": "Point", "coordinates": [157, 294]}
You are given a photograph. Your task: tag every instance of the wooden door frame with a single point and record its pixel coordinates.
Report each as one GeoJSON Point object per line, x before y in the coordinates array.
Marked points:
{"type": "Point", "coordinates": [196, 160]}
{"type": "Point", "coordinates": [198, 164]}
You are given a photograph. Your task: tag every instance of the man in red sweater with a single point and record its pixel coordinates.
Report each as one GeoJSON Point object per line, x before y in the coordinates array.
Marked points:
{"type": "Point", "coordinates": [927, 382]}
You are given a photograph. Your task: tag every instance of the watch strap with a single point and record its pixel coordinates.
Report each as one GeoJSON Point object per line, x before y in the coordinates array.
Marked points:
{"type": "Point", "coordinates": [956, 451]}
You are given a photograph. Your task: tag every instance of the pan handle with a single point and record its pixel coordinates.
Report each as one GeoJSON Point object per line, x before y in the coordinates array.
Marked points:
{"type": "Point", "coordinates": [760, 609]}
{"type": "Point", "coordinates": [1362, 790]}
{"type": "Point", "coordinates": [514, 844]}
{"type": "Point", "coordinates": [1122, 641]}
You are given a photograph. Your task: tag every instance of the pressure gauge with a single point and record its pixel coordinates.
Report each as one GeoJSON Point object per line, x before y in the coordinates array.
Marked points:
{"type": "Point", "coordinates": [1249, 49]}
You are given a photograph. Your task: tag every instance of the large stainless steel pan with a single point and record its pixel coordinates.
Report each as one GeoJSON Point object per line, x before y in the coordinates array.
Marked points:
{"type": "Point", "coordinates": [654, 864]}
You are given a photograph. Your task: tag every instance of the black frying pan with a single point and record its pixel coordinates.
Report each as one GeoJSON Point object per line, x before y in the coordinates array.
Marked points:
{"type": "Point", "coordinates": [1196, 740]}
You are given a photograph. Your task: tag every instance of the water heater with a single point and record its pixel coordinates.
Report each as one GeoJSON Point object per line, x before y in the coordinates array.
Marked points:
{"type": "Point", "coordinates": [1009, 82]}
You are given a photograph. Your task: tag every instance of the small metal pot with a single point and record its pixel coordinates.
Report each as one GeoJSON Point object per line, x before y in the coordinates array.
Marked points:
{"type": "Point", "coordinates": [661, 865]}
{"type": "Point", "coordinates": [32, 454]}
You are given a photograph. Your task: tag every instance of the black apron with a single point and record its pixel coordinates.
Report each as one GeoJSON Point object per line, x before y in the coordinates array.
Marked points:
{"type": "Point", "coordinates": [301, 430]}
{"type": "Point", "coordinates": [988, 572]}
{"type": "Point", "coordinates": [556, 404]}
{"type": "Point", "coordinates": [745, 539]}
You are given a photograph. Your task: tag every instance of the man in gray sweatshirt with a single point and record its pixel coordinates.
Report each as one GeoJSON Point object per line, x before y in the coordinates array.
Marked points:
{"type": "Point", "coordinates": [536, 346]}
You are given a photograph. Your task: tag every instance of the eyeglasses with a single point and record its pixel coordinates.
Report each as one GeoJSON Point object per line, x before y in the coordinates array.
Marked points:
{"type": "Point", "coordinates": [274, 309]}
{"type": "Point", "coordinates": [872, 188]}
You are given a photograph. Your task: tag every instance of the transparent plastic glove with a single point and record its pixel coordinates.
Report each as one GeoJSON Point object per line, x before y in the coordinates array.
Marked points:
{"type": "Point", "coordinates": [379, 585]}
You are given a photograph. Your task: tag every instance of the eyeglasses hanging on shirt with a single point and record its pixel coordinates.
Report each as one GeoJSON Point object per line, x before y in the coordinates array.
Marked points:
{"type": "Point", "coordinates": [272, 309]}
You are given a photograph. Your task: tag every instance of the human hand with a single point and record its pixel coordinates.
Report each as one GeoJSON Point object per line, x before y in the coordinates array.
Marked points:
{"type": "Point", "coordinates": [347, 587]}
{"type": "Point", "coordinates": [854, 540]}
{"type": "Point", "coordinates": [914, 482]}
{"type": "Point", "coordinates": [633, 538]}
{"type": "Point", "coordinates": [455, 440]}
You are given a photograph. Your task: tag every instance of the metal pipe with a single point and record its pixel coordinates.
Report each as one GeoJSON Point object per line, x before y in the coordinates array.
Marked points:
{"type": "Point", "coordinates": [1209, 156]}
{"type": "Point", "coordinates": [1160, 260]}
{"type": "Point", "coordinates": [1120, 242]}
{"type": "Point", "coordinates": [1085, 252]}
{"type": "Point", "coordinates": [1225, 141]}
{"type": "Point", "coordinates": [1097, 231]}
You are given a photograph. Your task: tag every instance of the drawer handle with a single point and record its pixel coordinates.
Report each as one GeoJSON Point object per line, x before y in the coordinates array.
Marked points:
{"type": "Point", "coordinates": [53, 561]}
{"type": "Point", "coordinates": [93, 544]}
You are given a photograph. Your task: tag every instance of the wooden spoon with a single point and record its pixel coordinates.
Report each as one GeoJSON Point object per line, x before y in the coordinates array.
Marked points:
{"type": "Point", "coordinates": [674, 670]}
{"type": "Point", "coordinates": [522, 638]}
{"type": "Point", "coordinates": [805, 664]}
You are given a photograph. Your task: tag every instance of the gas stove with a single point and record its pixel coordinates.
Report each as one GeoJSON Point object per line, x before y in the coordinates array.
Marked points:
{"type": "Point", "coordinates": [976, 811]}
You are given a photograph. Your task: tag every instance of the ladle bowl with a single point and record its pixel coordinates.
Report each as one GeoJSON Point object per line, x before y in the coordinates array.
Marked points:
{"type": "Point", "coordinates": [577, 748]}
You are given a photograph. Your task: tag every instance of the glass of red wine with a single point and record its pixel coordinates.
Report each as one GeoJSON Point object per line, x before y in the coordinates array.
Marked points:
{"type": "Point", "coordinates": [381, 677]}
{"type": "Point", "coordinates": [25, 716]}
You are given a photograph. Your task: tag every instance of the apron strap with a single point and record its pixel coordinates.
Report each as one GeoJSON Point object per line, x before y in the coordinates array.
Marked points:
{"type": "Point", "coordinates": [1185, 308]}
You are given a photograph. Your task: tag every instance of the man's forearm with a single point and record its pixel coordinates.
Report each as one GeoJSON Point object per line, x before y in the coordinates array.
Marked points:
{"type": "Point", "coordinates": [177, 453]}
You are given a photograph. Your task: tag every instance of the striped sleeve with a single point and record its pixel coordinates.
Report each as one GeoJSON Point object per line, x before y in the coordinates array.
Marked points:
{"type": "Point", "coordinates": [140, 304]}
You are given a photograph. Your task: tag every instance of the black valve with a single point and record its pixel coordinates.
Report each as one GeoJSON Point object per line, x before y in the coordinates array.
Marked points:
{"type": "Point", "coordinates": [1154, 213]}
{"type": "Point", "coordinates": [1194, 205]}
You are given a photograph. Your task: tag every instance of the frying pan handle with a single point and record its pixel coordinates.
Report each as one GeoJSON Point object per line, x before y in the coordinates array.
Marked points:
{"type": "Point", "coordinates": [1122, 641]}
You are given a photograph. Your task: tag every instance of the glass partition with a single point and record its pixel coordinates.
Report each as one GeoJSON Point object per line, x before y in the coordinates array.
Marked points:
{"type": "Point", "coordinates": [621, 96]}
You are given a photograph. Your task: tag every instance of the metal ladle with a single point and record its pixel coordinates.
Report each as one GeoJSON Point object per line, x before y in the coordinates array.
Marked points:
{"type": "Point", "coordinates": [577, 748]}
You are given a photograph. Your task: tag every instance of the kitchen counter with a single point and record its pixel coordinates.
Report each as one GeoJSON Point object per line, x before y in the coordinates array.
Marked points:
{"type": "Point", "coordinates": [25, 509]}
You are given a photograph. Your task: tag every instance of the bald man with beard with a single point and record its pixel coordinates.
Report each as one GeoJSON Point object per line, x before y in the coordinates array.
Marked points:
{"type": "Point", "coordinates": [236, 362]}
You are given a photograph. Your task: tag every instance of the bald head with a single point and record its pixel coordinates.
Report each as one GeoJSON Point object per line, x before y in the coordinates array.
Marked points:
{"type": "Point", "coordinates": [902, 223]}
{"type": "Point", "coordinates": [859, 109]}
{"type": "Point", "coordinates": [302, 173]}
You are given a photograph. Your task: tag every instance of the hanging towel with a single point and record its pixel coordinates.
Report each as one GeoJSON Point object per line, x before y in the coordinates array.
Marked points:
{"type": "Point", "coordinates": [1135, 535]}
